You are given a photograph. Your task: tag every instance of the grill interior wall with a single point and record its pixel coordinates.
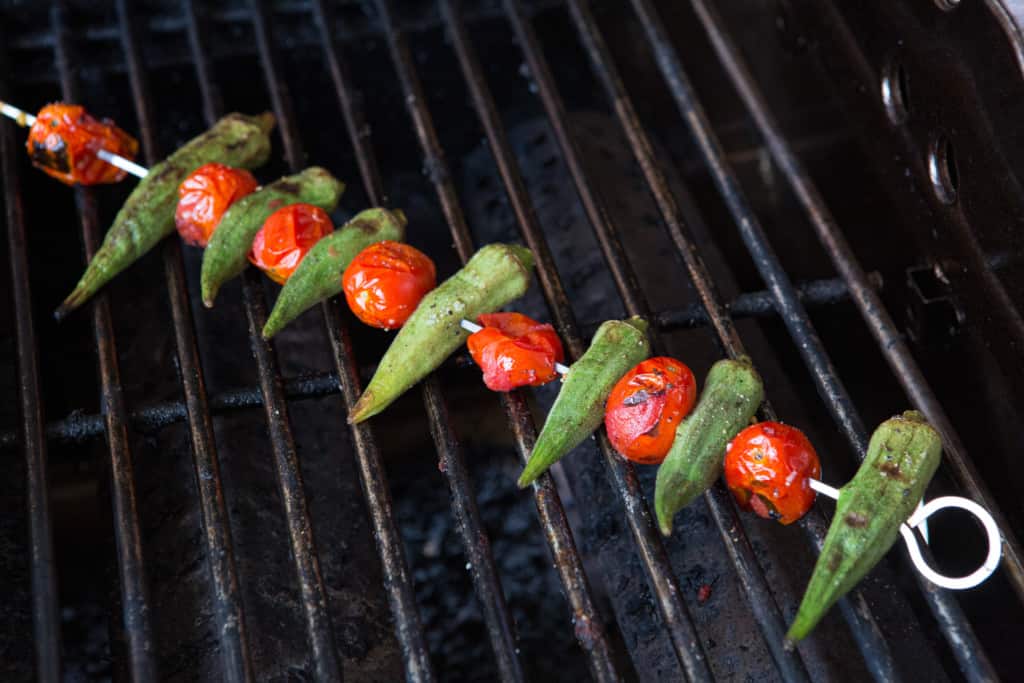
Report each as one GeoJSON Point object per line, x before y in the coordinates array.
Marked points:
{"type": "Point", "coordinates": [174, 551]}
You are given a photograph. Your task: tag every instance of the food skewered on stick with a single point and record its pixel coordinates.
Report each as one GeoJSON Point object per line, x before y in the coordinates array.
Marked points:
{"type": "Point", "coordinates": [497, 274]}
{"type": "Point", "coordinates": [320, 274]}
{"type": "Point", "coordinates": [385, 283]}
{"type": "Point", "coordinates": [770, 467]}
{"type": "Point", "coordinates": [65, 142]}
{"type": "Point", "coordinates": [578, 410]}
{"type": "Point", "coordinates": [227, 253]}
{"type": "Point", "coordinates": [205, 195]}
{"type": "Point", "coordinates": [286, 237]}
{"type": "Point", "coordinates": [515, 351]}
{"type": "Point", "coordinates": [148, 214]}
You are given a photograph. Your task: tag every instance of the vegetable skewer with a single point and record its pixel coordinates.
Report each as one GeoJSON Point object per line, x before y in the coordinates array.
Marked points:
{"type": "Point", "coordinates": [148, 214]}
{"type": "Point", "coordinates": [226, 255]}
{"type": "Point", "coordinates": [824, 589]}
{"type": "Point", "coordinates": [916, 521]}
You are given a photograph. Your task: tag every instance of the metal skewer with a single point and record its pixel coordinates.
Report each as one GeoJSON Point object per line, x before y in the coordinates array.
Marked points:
{"type": "Point", "coordinates": [918, 520]}
{"type": "Point", "coordinates": [26, 120]}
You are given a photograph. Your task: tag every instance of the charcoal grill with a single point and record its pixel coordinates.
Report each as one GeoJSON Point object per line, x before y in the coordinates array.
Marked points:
{"type": "Point", "coordinates": [538, 134]}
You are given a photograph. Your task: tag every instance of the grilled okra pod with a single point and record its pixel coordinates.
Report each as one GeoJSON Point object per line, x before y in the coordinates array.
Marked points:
{"type": "Point", "coordinates": [226, 255]}
{"type": "Point", "coordinates": [578, 411]}
{"type": "Point", "coordinates": [148, 214]}
{"type": "Point", "coordinates": [902, 457]}
{"type": "Point", "coordinates": [732, 393]}
{"type": "Point", "coordinates": [319, 274]}
{"type": "Point", "coordinates": [497, 274]}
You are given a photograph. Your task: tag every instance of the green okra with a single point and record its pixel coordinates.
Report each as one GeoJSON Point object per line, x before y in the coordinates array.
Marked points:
{"type": "Point", "coordinates": [226, 255]}
{"type": "Point", "coordinates": [497, 274]}
{"type": "Point", "coordinates": [731, 395]}
{"type": "Point", "coordinates": [148, 214]}
{"type": "Point", "coordinates": [319, 274]}
{"type": "Point", "coordinates": [578, 411]}
{"type": "Point", "coordinates": [902, 457]}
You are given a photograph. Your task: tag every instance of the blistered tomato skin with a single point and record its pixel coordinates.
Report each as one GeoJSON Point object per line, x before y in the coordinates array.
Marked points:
{"type": "Point", "coordinates": [64, 140]}
{"type": "Point", "coordinates": [205, 195]}
{"type": "Point", "coordinates": [768, 468]}
{"type": "Point", "coordinates": [386, 281]}
{"type": "Point", "coordinates": [286, 237]}
{"type": "Point", "coordinates": [646, 406]}
{"type": "Point", "coordinates": [514, 351]}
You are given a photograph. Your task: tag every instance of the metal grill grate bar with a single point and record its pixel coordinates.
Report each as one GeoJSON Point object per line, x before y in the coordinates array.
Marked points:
{"type": "Point", "coordinates": [401, 593]}
{"type": "Point", "coordinates": [131, 569]}
{"type": "Point", "coordinates": [314, 595]}
{"type": "Point", "coordinates": [590, 630]}
{"type": "Point", "coordinates": [46, 625]}
{"type": "Point", "coordinates": [953, 624]}
{"type": "Point", "coordinates": [227, 601]}
{"type": "Point", "coordinates": [889, 339]}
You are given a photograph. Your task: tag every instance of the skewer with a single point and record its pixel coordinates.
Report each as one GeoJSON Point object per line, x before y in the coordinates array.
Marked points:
{"type": "Point", "coordinates": [917, 521]}
{"type": "Point", "coordinates": [26, 120]}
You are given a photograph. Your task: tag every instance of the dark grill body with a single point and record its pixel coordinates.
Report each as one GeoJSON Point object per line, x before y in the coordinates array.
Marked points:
{"type": "Point", "coordinates": [184, 501]}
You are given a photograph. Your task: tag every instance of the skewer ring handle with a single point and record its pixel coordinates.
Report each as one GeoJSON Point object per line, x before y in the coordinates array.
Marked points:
{"type": "Point", "coordinates": [995, 543]}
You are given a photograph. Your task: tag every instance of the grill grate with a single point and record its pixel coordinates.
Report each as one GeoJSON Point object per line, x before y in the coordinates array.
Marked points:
{"type": "Point", "coordinates": [273, 391]}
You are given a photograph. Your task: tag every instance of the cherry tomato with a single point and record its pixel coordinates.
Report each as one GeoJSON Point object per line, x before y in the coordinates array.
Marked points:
{"type": "Point", "coordinates": [286, 237]}
{"type": "Point", "coordinates": [515, 351]}
{"type": "Point", "coordinates": [64, 140]}
{"type": "Point", "coordinates": [646, 406]}
{"type": "Point", "coordinates": [386, 281]}
{"type": "Point", "coordinates": [768, 467]}
{"type": "Point", "coordinates": [205, 195]}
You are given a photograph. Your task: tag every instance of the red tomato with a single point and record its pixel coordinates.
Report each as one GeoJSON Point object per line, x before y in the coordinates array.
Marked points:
{"type": "Point", "coordinates": [515, 351]}
{"type": "Point", "coordinates": [646, 406]}
{"type": "Point", "coordinates": [386, 281]}
{"type": "Point", "coordinates": [64, 140]}
{"type": "Point", "coordinates": [286, 237]}
{"type": "Point", "coordinates": [768, 467]}
{"type": "Point", "coordinates": [205, 195]}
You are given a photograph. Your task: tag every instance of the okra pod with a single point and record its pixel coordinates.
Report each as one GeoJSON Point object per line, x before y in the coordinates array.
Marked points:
{"type": "Point", "coordinates": [497, 274]}
{"type": "Point", "coordinates": [226, 255]}
{"type": "Point", "coordinates": [732, 393]}
{"type": "Point", "coordinates": [902, 457]}
{"type": "Point", "coordinates": [148, 214]}
{"type": "Point", "coordinates": [319, 275]}
{"type": "Point", "coordinates": [578, 411]}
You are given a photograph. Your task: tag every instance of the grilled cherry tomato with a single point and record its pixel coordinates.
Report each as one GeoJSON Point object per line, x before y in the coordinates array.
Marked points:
{"type": "Point", "coordinates": [205, 195]}
{"type": "Point", "coordinates": [286, 237]}
{"type": "Point", "coordinates": [768, 467]}
{"type": "Point", "coordinates": [646, 406]}
{"type": "Point", "coordinates": [514, 350]}
{"type": "Point", "coordinates": [64, 140]}
{"type": "Point", "coordinates": [385, 282]}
